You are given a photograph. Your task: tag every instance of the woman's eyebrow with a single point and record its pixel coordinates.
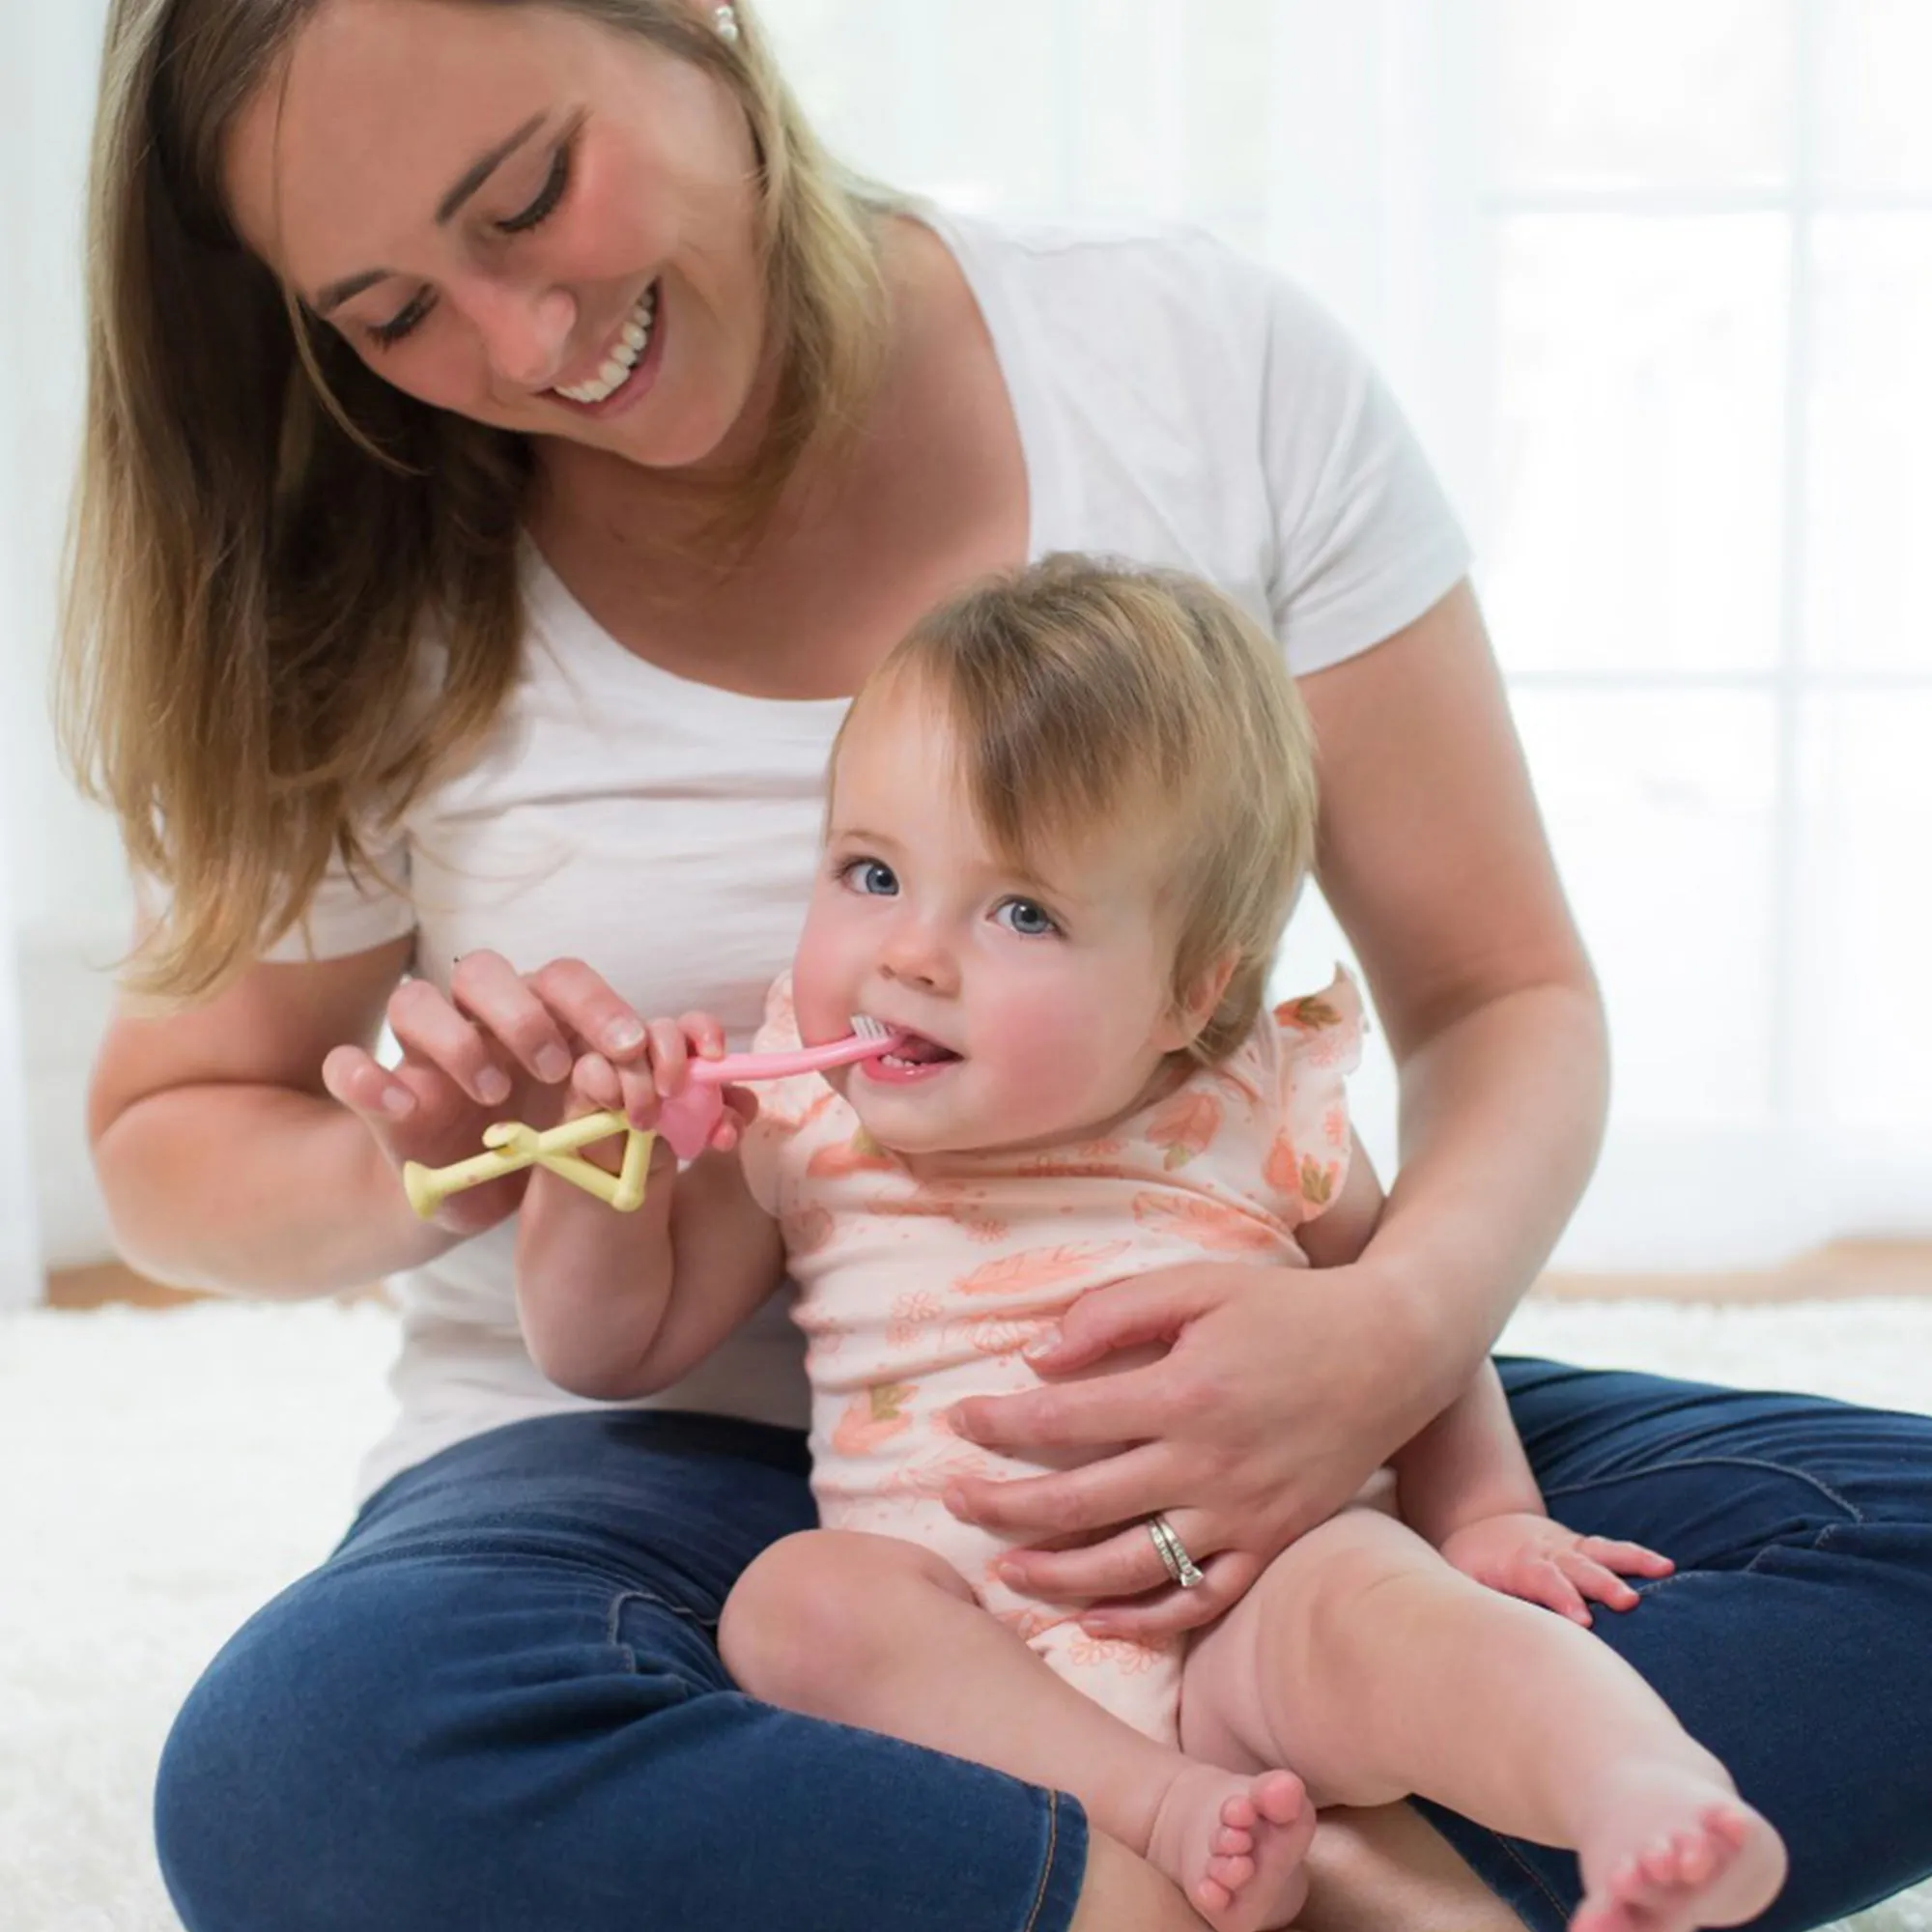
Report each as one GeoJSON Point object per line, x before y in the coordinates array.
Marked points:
{"type": "Point", "coordinates": [481, 171]}
{"type": "Point", "coordinates": [472, 178]}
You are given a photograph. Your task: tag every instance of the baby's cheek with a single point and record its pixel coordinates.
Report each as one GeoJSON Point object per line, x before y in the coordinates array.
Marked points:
{"type": "Point", "coordinates": [816, 995]}
{"type": "Point", "coordinates": [1061, 1052]}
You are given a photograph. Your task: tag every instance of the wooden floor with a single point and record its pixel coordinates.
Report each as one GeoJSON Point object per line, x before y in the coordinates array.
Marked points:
{"type": "Point", "coordinates": [1842, 1269]}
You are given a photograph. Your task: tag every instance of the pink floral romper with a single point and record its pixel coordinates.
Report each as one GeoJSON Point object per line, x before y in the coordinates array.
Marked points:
{"type": "Point", "coordinates": [918, 1289]}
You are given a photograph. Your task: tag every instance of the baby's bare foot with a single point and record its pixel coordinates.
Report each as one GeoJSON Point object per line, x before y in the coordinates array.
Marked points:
{"type": "Point", "coordinates": [1669, 1850]}
{"type": "Point", "coordinates": [1235, 1845]}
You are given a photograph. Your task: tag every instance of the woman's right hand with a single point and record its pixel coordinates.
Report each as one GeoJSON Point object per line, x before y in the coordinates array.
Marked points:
{"type": "Point", "coordinates": [499, 1046]}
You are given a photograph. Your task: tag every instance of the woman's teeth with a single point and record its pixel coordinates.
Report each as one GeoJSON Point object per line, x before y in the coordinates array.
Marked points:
{"type": "Point", "coordinates": [633, 339]}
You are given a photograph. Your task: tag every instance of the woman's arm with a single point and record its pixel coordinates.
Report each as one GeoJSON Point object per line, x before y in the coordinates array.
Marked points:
{"type": "Point", "coordinates": [252, 1144]}
{"type": "Point", "coordinates": [224, 1163]}
{"type": "Point", "coordinates": [1433, 859]}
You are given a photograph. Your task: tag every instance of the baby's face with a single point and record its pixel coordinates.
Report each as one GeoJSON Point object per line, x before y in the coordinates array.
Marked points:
{"type": "Point", "coordinates": [1039, 999]}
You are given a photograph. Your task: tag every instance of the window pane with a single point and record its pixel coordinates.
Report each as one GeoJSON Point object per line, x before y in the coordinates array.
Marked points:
{"type": "Point", "coordinates": [1661, 810]}
{"type": "Point", "coordinates": [1649, 93]}
{"type": "Point", "coordinates": [1869, 496]}
{"type": "Point", "coordinates": [1868, 816]}
{"type": "Point", "coordinates": [1873, 131]}
{"type": "Point", "coordinates": [911, 89]}
{"type": "Point", "coordinates": [1640, 389]}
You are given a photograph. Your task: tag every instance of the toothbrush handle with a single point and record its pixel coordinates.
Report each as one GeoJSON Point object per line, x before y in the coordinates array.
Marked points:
{"type": "Point", "coordinates": [736, 1066]}
{"type": "Point", "coordinates": [690, 1117]}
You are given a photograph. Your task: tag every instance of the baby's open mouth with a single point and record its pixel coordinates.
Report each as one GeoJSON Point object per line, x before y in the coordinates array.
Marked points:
{"type": "Point", "coordinates": [916, 1050]}
{"type": "Point", "coordinates": [909, 1049]}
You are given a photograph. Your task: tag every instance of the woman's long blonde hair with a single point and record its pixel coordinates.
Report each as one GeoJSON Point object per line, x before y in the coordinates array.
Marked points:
{"type": "Point", "coordinates": [263, 528]}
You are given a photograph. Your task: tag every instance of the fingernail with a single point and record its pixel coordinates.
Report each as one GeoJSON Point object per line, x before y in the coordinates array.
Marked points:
{"type": "Point", "coordinates": [1097, 1627]}
{"type": "Point", "coordinates": [1012, 1575]}
{"type": "Point", "coordinates": [553, 1064]}
{"type": "Point", "coordinates": [1041, 1345]}
{"type": "Point", "coordinates": [494, 1085]}
{"type": "Point", "coordinates": [954, 1499]}
{"type": "Point", "coordinates": [624, 1035]}
{"type": "Point", "coordinates": [398, 1102]}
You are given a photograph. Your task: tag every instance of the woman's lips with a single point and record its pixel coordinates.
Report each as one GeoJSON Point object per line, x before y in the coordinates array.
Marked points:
{"type": "Point", "coordinates": [636, 384]}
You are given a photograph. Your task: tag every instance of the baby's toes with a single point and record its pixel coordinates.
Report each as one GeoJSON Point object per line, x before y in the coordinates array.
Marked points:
{"type": "Point", "coordinates": [1233, 1843]}
{"type": "Point", "coordinates": [1230, 1874]}
{"type": "Point", "coordinates": [1698, 1858]}
{"type": "Point", "coordinates": [1630, 1883]}
{"type": "Point", "coordinates": [1729, 1825]}
{"type": "Point", "coordinates": [1211, 1898]}
{"type": "Point", "coordinates": [1601, 1918]}
{"type": "Point", "coordinates": [1238, 1812]}
{"type": "Point", "coordinates": [1279, 1797]}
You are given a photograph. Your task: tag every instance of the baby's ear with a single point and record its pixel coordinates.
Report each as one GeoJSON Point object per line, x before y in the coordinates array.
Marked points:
{"type": "Point", "coordinates": [1196, 1003]}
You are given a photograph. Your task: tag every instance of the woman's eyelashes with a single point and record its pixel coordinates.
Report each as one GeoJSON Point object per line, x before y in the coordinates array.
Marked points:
{"type": "Point", "coordinates": [386, 334]}
{"type": "Point", "coordinates": [545, 205]}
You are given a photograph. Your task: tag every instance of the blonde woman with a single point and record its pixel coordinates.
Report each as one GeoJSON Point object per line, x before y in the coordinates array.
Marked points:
{"type": "Point", "coordinates": [510, 442]}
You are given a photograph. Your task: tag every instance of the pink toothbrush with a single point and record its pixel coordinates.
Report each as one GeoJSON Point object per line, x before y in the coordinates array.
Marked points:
{"type": "Point", "coordinates": [690, 1117]}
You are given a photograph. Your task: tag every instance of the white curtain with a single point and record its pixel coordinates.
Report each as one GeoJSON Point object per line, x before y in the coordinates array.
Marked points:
{"type": "Point", "coordinates": [1655, 282]}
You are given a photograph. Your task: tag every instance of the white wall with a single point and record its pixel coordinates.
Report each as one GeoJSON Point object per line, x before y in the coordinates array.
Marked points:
{"type": "Point", "coordinates": [69, 895]}
{"type": "Point", "coordinates": [1697, 495]}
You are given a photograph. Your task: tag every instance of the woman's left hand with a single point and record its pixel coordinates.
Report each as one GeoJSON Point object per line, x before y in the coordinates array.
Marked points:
{"type": "Point", "coordinates": [1280, 1392]}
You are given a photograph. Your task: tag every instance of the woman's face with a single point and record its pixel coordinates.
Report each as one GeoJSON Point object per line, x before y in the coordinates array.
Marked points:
{"type": "Point", "coordinates": [519, 214]}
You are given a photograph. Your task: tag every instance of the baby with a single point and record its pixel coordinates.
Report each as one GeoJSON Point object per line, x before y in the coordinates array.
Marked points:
{"type": "Point", "coordinates": [1066, 820]}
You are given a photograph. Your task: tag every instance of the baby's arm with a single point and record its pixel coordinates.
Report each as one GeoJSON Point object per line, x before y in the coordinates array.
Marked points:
{"type": "Point", "coordinates": [1464, 1481]}
{"type": "Point", "coordinates": [1465, 1485]}
{"type": "Point", "coordinates": [619, 1305]}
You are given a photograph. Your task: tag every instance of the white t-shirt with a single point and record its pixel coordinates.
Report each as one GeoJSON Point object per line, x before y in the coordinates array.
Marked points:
{"type": "Point", "coordinates": [1176, 405]}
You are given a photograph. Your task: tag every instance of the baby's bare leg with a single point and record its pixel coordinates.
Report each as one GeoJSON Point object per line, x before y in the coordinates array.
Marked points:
{"type": "Point", "coordinates": [873, 1631]}
{"type": "Point", "coordinates": [1376, 1670]}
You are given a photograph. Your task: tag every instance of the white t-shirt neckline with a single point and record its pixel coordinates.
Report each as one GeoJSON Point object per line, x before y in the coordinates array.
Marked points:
{"type": "Point", "coordinates": [554, 611]}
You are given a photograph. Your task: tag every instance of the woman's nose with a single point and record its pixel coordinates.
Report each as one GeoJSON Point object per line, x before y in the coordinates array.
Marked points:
{"type": "Point", "coordinates": [525, 333]}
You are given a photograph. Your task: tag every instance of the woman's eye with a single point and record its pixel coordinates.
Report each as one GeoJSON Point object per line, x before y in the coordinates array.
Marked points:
{"type": "Point", "coordinates": [545, 205]}
{"type": "Point", "coordinates": [1027, 919]}
{"type": "Point", "coordinates": [872, 877]}
{"type": "Point", "coordinates": [388, 334]}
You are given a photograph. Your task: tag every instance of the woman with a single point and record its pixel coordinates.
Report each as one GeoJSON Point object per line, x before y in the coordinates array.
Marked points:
{"type": "Point", "coordinates": [509, 442]}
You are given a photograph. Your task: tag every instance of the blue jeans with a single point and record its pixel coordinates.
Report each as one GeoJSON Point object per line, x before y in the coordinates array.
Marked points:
{"type": "Point", "coordinates": [499, 1704]}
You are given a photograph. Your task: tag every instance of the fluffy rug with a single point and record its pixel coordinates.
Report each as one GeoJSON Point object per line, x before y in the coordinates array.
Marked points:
{"type": "Point", "coordinates": [160, 1475]}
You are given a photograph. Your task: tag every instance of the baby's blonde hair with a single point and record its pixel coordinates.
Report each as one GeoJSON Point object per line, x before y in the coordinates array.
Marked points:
{"type": "Point", "coordinates": [1084, 693]}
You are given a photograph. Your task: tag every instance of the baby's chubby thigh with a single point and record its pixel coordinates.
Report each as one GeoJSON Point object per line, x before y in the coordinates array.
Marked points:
{"type": "Point", "coordinates": [1303, 1672]}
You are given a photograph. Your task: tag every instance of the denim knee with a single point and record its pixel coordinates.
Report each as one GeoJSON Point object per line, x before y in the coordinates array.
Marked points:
{"type": "Point", "coordinates": [263, 1798]}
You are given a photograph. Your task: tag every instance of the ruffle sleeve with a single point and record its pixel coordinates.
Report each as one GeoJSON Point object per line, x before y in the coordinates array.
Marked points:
{"type": "Point", "coordinates": [1317, 1044]}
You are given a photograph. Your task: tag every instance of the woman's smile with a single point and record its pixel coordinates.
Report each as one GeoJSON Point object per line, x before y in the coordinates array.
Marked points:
{"type": "Point", "coordinates": [627, 365]}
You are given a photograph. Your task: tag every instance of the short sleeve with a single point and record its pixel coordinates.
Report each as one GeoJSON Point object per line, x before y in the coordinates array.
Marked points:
{"type": "Point", "coordinates": [353, 913]}
{"type": "Point", "coordinates": [1317, 1044]}
{"type": "Point", "coordinates": [347, 914]}
{"type": "Point", "coordinates": [781, 1103]}
{"type": "Point", "coordinates": [1364, 538]}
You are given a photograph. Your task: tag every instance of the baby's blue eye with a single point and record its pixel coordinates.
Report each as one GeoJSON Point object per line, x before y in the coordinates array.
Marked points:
{"type": "Point", "coordinates": [871, 876]}
{"type": "Point", "coordinates": [1025, 918]}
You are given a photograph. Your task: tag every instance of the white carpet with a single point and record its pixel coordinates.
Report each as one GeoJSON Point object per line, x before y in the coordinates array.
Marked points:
{"type": "Point", "coordinates": [160, 1475]}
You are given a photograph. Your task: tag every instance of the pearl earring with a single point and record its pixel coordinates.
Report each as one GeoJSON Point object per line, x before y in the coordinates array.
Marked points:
{"type": "Point", "coordinates": [724, 19]}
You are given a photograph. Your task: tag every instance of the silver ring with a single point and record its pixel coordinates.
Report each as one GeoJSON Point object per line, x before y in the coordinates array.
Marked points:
{"type": "Point", "coordinates": [1174, 1556]}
